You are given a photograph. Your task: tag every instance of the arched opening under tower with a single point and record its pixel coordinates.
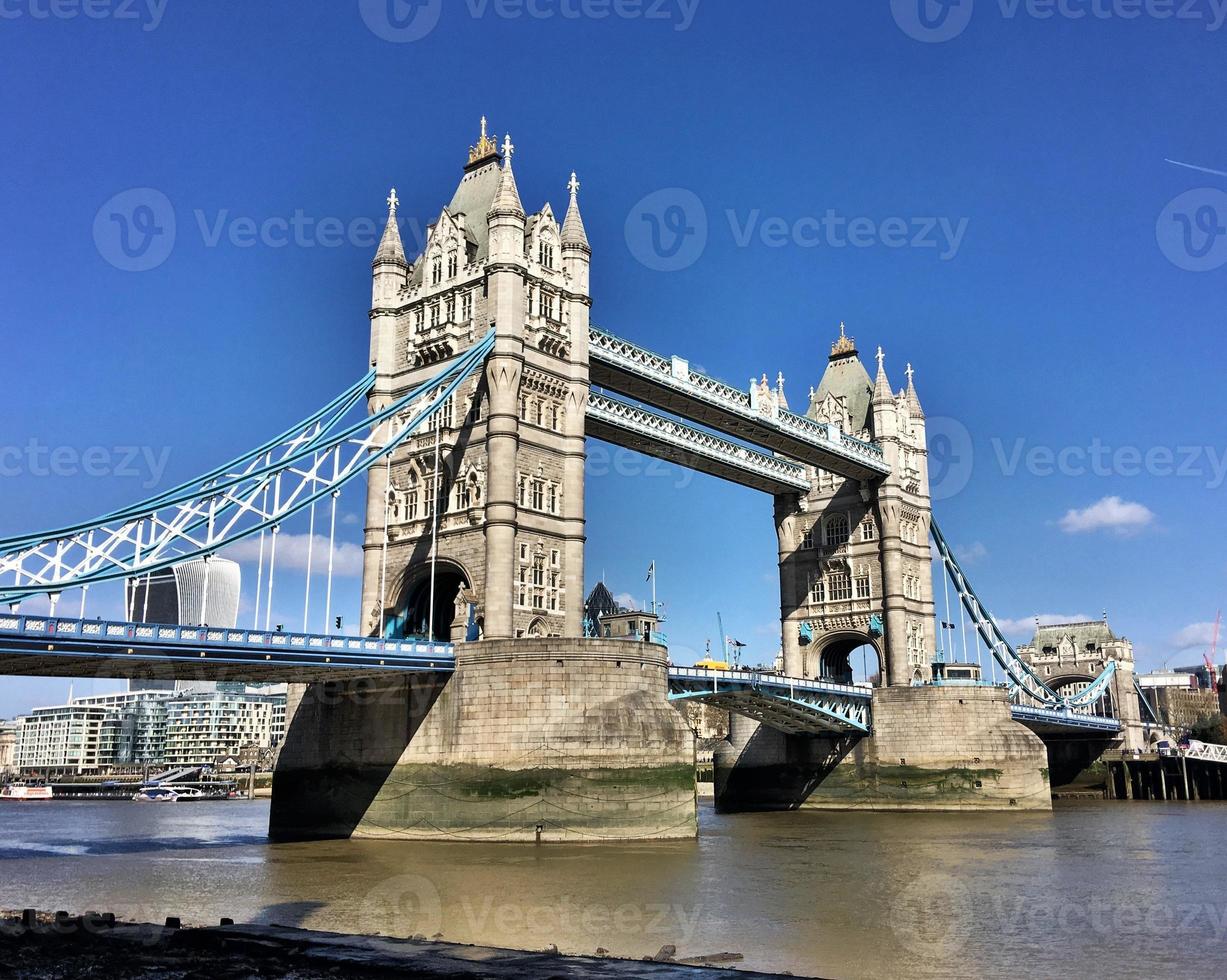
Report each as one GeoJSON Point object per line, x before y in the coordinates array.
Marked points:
{"type": "Point", "coordinates": [847, 658]}
{"type": "Point", "coordinates": [1073, 684]}
{"type": "Point", "coordinates": [412, 619]}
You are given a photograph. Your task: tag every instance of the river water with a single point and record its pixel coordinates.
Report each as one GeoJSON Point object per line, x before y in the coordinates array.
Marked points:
{"type": "Point", "coordinates": [1092, 889]}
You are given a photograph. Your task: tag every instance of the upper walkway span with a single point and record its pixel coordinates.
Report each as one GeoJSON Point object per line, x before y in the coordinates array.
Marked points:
{"type": "Point", "coordinates": [668, 383]}
{"type": "Point", "coordinates": [646, 432]}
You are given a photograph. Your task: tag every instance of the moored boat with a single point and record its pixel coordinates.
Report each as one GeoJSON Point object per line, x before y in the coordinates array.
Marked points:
{"type": "Point", "coordinates": [24, 792]}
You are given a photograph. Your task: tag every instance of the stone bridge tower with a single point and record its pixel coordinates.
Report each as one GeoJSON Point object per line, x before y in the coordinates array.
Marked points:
{"type": "Point", "coordinates": [855, 564]}
{"type": "Point", "coordinates": [500, 518]}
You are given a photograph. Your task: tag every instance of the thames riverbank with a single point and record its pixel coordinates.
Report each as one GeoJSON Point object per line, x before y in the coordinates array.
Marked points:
{"type": "Point", "coordinates": [39, 944]}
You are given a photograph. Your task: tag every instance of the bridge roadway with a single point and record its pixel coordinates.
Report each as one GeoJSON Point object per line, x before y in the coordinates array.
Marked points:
{"type": "Point", "coordinates": [668, 384]}
{"type": "Point", "coordinates": [40, 646]}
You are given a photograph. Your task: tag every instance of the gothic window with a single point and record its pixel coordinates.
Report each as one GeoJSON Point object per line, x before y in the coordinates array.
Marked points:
{"type": "Point", "coordinates": [434, 314]}
{"type": "Point", "coordinates": [538, 495]}
{"type": "Point", "coordinates": [418, 319]}
{"type": "Point", "coordinates": [466, 305]}
{"type": "Point", "coordinates": [869, 530]}
{"type": "Point", "coordinates": [537, 416]}
{"type": "Point", "coordinates": [554, 418]}
{"type": "Point", "coordinates": [411, 498]}
{"type": "Point", "coordinates": [436, 271]}
{"type": "Point", "coordinates": [523, 547]}
{"type": "Point", "coordinates": [836, 530]}
{"type": "Point", "coordinates": [863, 589]}
{"type": "Point", "coordinates": [817, 590]}
{"type": "Point", "coordinates": [523, 503]}
{"type": "Point", "coordinates": [839, 587]}
{"type": "Point", "coordinates": [545, 254]}
{"type": "Point", "coordinates": [553, 498]}
{"type": "Point", "coordinates": [554, 558]}
{"type": "Point", "coordinates": [453, 265]}
{"type": "Point", "coordinates": [807, 537]}
{"type": "Point", "coordinates": [451, 309]}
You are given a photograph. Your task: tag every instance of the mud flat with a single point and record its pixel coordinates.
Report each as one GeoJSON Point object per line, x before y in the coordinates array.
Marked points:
{"type": "Point", "coordinates": [39, 944]}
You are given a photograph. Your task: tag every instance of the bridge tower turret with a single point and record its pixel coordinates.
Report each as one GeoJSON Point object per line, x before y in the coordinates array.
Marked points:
{"type": "Point", "coordinates": [498, 523]}
{"type": "Point", "coordinates": [577, 299]}
{"type": "Point", "coordinates": [904, 516]}
{"type": "Point", "coordinates": [854, 558]}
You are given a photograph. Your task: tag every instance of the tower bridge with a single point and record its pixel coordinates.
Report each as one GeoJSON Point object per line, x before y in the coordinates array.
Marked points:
{"type": "Point", "coordinates": [499, 717]}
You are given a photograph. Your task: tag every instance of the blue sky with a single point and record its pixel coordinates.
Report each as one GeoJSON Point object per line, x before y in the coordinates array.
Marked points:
{"type": "Point", "coordinates": [1019, 237]}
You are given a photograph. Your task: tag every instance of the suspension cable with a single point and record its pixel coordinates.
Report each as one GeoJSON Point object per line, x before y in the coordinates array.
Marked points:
{"type": "Point", "coordinates": [306, 605]}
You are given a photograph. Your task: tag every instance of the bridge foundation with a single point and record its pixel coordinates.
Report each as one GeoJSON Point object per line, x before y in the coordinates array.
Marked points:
{"type": "Point", "coordinates": [932, 748]}
{"type": "Point", "coordinates": [530, 740]}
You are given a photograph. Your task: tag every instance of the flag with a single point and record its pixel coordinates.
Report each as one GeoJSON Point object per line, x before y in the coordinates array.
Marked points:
{"type": "Point", "coordinates": [651, 572]}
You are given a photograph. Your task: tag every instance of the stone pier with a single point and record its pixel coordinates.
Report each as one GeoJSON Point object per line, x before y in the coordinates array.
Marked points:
{"type": "Point", "coordinates": [530, 740]}
{"type": "Point", "coordinates": [932, 748]}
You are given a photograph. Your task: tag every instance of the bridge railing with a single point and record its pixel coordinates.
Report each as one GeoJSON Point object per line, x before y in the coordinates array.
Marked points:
{"type": "Point", "coordinates": [778, 681]}
{"type": "Point", "coordinates": [88, 631]}
{"type": "Point", "coordinates": [684, 437]}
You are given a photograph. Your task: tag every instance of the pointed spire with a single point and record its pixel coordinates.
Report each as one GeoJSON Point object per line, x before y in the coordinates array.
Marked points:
{"type": "Point", "coordinates": [881, 384]}
{"type": "Point", "coordinates": [913, 400]}
{"type": "Point", "coordinates": [507, 200]}
{"type": "Point", "coordinates": [573, 233]}
{"type": "Point", "coordinates": [391, 249]}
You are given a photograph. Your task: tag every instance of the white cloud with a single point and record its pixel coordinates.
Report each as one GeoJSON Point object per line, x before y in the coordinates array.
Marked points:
{"type": "Point", "coordinates": [1025, 626]}
{"type": "Point", "coordinates": [349, 520]}
{"type": "Point", "coordinates": [972, 553]}
{"type": "Point", "coordinates": [629, 601]}
{"type": "Point", "coordinates": [1194, 637]}
{"type": "Point", "coordinates": [292, 553]}
{"type": "Point", "coordinates": [1121, 516]}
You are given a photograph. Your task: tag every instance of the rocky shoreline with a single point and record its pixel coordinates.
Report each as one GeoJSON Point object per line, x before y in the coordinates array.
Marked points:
{"type": "Point", "coordinates": [41, 945]}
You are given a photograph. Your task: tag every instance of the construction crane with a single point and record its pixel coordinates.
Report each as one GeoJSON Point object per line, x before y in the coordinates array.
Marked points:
{"type": "Point", "coordinates": [1209, 657]}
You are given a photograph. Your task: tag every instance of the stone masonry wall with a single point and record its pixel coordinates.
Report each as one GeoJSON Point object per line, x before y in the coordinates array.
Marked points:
{"type": "Point", "coordinates": [941, 748]}
{"type": "Point", "coordinates": [553, 739]}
